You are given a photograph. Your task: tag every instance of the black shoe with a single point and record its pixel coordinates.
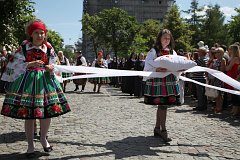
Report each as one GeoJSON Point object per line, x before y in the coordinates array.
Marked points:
{"type": "Point", "coordinates": [76, 89]}
{"type": "Point", "coordinates": [157, 132]}
{"type": "Point", "coordinates": [199, 109]}
{"type": "Point", "coordinates": [31, 155]}
{"type": "Point", "coordinates": [35, 135]}
{"type": "Point", "coordinates": [47, 149]}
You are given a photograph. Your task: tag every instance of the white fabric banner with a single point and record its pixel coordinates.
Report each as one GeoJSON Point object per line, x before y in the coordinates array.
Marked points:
{"type": "Point", "coordinates": [100, 72]}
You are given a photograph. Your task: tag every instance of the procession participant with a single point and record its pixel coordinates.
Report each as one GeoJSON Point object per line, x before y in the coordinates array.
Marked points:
{"type": "Point", "coordinates": [33, 92]}
{"type": "Point", "coordinates": [100, 63]}
{"type": "Point", "coordinates": [64, 61]}
{"type": "Point", "coordinates": [81, 61]}
{"type": "Point", "coordinates": [161, 91]}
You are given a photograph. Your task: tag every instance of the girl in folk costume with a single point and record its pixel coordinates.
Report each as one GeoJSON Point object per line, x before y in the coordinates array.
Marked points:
{"type": "Point", "coordinates": [64, 61]}
{"type": "Point", "coordinates": [33, 92]}
{"type": "Point", "coordinates": [161, 91]}
{"type": "Point", "coordinates": [100, 63]}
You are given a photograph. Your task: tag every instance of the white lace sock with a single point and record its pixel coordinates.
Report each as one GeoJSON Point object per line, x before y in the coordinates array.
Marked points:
{"type": "Point", "coordinates": [44, 126]}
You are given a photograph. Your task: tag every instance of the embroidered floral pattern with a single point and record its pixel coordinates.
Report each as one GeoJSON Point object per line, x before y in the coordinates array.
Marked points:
{"type": "Point", "coordinates": [35, 54]}
{"type": "Point", "coordinates": [172, 99]}
{"type": "Point", "coordinates": [56, 108]}
{"type": "Point", "coordinates": [157, 100]}
{"type": "Point", "coordinates": [6, 109]}
{"type": "Point", "coordinates": [22, 112]}
{"type": "Point", "coordinates": [38, 113]}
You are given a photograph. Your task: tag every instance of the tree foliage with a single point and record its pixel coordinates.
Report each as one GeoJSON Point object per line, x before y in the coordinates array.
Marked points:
{"type": "Point", "coordinates": [55, 39]}
{"type": "Point", "coordinates": [195, 21]}
{"type": "Point", "coordinates": [146, 36]}
{"type": "Point", "coordinates": [118, 30]}
{"type": "Point", "coordinates": [112, 30]}
{"type": "Point", "coordinates": [13, 16]}
{"type": "Point", "coordinates": [213, 26]}
{"type": "Point", "coordinates": [234, 26]}
{"type": "Point", "coordinates": [91, 27]}
{"type": "Point", "coordinates": [180, 29]}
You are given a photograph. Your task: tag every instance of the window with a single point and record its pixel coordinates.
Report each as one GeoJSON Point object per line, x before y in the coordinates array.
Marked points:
{"type": "Point", "coordinates": [160, 2]}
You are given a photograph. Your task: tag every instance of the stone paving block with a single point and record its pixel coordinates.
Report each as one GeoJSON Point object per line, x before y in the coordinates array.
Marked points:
{"type": "Point", "coordinates": [113, 125]}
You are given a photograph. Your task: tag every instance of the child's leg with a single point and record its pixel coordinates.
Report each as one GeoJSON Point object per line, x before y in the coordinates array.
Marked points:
{"type": "Point", "coordinates": [29, 131]}
{"type": "Point", "coordinates": [44, 124]}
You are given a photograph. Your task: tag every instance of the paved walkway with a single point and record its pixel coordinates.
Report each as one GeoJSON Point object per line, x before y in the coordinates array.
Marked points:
{"type": "Point", "coordinates": [113, 125]}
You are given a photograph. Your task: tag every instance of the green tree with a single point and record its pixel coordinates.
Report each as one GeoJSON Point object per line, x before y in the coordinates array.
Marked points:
{"type": "Point", "coordinates": [213, 26]}
{"type": "Point", "coordinates": [234, 29]}
{"type": "Point", "coordinates": [195, 21]}
{"type": "Point", "coordinates": [91, 29]}
{"type": "Point", "coordinates": [118, 30]}
{"type": "Point", "coordinates": [138, 45]}
{"type": "Point", "coordinates": [180, 29]}
{"type": "Point", "coordinates": [146, 36]}
{"type": "Point", "coordinates": [13, 16]}
{"type": "Point", "coordinates": [55, 39]}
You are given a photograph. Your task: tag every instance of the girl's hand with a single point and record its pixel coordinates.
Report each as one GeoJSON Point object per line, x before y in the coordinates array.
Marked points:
{"type": "Point", "coordinates": [161, 69]}
{"type": "Point", "coordinates": [49, 68]}
{"type": "Point", "coordinates": [34, 64]}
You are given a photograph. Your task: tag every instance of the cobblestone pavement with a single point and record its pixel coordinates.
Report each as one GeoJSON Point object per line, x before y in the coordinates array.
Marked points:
{"type": "Point", "coordinates": [113, 125]}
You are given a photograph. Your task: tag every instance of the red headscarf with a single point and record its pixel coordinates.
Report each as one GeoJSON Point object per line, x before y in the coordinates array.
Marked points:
{"type": "Point", "coordinates": [36, 25]}
{"type": "Point", "coordinates": [99, 53]}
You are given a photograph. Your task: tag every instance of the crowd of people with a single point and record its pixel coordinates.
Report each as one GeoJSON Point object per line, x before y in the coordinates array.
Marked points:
{"type": "Point", "coordinates": [220, 58]}
{"type": "Point", "coordinates": [43, 96]}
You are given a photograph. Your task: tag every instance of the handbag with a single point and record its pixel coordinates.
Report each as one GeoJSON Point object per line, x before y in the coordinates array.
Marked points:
{"type": "Point", "coordinates": [210, 92]}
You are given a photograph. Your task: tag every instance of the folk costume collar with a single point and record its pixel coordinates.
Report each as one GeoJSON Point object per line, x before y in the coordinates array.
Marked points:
{"type": "Point", "coordinates": [43, 47]}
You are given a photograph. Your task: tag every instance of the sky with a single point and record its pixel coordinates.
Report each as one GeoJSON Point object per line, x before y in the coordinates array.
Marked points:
{"type": "Point", "coordinates": [64, 16]}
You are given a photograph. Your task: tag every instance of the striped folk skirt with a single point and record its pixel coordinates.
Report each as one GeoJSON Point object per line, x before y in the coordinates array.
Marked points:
{"type": "Point", "coordinates": [34, 95]}
{"type": "Point", "coordinates": [162, 91]}
{"type": "Point", "coordinates": [99, 80]}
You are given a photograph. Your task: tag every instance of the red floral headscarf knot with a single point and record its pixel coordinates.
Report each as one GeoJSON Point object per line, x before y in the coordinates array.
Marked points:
{"type": "Point", "coordinates": [36, 25]}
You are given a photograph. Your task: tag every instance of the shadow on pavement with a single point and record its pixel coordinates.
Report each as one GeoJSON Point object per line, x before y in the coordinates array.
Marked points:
{"type": "Point", "coordinates": [12, 137]}
{"type": "Point", "coordinates": [19, 156]}
{"type": "Point", "coordinates": [234, 121]}
{"type": "Point", "coordinates": [79, 92]}
{"type": "Point", "coordinates": [225, 116]}
{"type": "Point", "coordinates": [129, 147]}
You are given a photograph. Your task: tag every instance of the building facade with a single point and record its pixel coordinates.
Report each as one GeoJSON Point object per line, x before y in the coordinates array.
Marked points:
{"type": "Point", "coordinates": [141, 9]}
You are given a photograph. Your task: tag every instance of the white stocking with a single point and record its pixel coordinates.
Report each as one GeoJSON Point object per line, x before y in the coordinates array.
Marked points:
{"type": "Point", "coordinates": [44, 126]}
{"type": "Point", "coordinates": [29, 131]}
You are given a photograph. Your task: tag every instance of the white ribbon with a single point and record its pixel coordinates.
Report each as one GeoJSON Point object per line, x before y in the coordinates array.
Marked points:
{"type": "Point", "coordinates": [100, 72]}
